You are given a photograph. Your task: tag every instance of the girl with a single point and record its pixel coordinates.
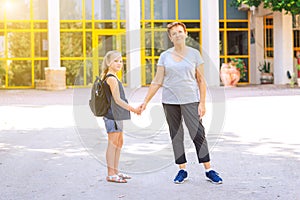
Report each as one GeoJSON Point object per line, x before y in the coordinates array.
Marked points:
{"type": "Point", "coordinates": [118, 111]}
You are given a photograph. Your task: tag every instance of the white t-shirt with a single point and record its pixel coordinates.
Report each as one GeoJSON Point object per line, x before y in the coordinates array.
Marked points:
{"type": "Point", "coordinates": [180, 84]}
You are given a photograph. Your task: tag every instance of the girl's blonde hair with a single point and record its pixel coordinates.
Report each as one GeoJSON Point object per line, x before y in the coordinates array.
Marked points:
{"type": "Point", "coordinates": [108, 59]}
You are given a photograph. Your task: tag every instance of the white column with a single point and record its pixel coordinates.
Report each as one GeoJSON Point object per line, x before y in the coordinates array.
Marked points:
{"type": "Point", "coordinates": [257, 49]}
{"type": "Point", "coordinates": [55, 75]}
{"type": "Point", "coordinates": [283, 47]}
{"type": "Point", "coordinates": [53, 34]}
{"type": "Point", "coordinates": [133, 43]}
{"type": "Point", "coordinates": [210, 41]}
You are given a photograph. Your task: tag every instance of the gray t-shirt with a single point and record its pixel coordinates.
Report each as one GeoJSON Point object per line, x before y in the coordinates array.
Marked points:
{"type": "Point", "coordinates": [180, 84]}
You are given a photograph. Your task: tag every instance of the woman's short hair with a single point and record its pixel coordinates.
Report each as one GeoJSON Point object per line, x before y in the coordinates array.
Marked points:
{"type": "Point", "coordinates": [173, 24]}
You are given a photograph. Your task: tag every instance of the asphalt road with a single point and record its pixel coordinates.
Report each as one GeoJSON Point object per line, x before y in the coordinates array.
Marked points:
{"type": "Point", "coordinates": [51, 147]}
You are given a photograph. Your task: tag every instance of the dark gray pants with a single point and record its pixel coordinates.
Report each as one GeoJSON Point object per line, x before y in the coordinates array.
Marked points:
{"type": "Point", "coordinates": [190, 115]}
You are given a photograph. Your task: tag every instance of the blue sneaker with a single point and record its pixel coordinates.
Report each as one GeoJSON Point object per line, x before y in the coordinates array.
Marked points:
{"type": "Point", "coordinates": [181, 176]}
{"type": "Point", "coordinates": [213, 177]}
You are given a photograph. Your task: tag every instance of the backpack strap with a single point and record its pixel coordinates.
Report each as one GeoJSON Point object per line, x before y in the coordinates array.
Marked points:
{"type": "Point", "coordinates": [105, 77]}
{"type": "Point", "coordinates": [106, 87]}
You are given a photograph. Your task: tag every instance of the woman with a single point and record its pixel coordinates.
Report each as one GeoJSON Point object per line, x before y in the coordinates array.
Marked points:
{"type": "Point", "coordinates": [118, 111]}
{"type": "Point", "coordinates": [180, 71]}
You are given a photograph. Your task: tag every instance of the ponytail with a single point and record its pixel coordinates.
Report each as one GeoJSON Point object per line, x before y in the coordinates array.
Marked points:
{"type": "Point", "coordinates": [108, 59]}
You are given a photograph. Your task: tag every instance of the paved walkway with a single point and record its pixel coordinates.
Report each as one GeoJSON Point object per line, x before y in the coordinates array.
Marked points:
{"type": "Point", "coordinates": [51, 147]}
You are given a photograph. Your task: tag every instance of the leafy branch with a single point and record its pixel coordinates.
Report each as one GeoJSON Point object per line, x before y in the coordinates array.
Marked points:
{"type": "Point", "coordinates": [289, 6]}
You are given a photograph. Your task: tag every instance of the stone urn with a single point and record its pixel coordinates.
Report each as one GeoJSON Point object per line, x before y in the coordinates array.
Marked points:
{"type": "Point", "coordinates": [266, 78]}
{"type": "Point", "coordinates": [229, 75]}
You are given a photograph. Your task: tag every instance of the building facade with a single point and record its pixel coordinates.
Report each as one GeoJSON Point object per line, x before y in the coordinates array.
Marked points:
{"type": "Point", "coordinates": [52, 43]}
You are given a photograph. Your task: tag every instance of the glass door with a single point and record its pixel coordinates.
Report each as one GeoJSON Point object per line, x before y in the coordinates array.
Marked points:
{"type": "Point", "coordinates": [105, 42]}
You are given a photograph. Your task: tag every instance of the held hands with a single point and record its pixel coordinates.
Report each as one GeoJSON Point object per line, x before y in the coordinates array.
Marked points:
{"type": "Point", "coordinates": [143, 106]}
{"type": "Point", "coordinates": [138, 110]}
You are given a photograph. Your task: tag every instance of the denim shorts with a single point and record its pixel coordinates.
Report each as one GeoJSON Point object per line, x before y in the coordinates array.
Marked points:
{"type": "Point", "coordinates": [113, 125]}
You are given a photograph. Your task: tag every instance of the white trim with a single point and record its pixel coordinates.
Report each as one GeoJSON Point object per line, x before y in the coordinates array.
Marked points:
{"type": "Point", "coordinates": [133, 43]}
{"type": "Point", "coordinates": [210, 41]}
{"type": "Point", "coordinates": [283, 47]}
{"type": "Point", "coordinates": [53, 34]}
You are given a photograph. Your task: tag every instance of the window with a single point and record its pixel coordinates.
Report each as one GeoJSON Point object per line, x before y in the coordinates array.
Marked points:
{"type": "Point", "coordinates": [233, 13]}
{"type": "Point", "coordinates": [234, 35]}
{"type": "Point", "coordinates": [105, 9]}
{"type": "Point", "coordinates": [237, 43]}
{"type": "Point", "coordinates": [70, 9]}
{"type": "Point", "coordinates": [188, 9]}
{"type": "Point", "coordinates": [164, 9]}
{"type": "Point", "coordinates": [268, 37]}
{"type": "Point", "coordinates": [155, 16]}
{"type": "Point", "coordinates": [40, 9]}
{"type": "Point", "coordinates": [296, 34]}
{"type": "Point", "coordinates": [17, 10]}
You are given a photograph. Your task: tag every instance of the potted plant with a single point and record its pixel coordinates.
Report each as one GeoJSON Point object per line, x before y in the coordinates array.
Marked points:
{"type": "Point", "coordinates": [240, 66]}
{"type": "Point", "coordinates": [232, 72]}
{"type": "Point", "coordinates": [266, 76]}
{"type": "Point", "coordinates": [298, 77]}
{"type": "Point", "coordinates": [292, 77]}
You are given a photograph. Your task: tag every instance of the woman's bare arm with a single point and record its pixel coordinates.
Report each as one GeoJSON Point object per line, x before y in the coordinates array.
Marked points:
{"type": "Point", "coordinates": [155, 85]}
{"type": "Point", "coordinates": [202, 88]}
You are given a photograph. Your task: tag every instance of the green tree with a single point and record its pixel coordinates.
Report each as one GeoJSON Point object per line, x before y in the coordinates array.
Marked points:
{"type": "Point", "coordinates": [72, 43]}
{"type": "Point", "coordinates": [2, 74]}
{"type": "Point", "coordinates": [19, 47]}
{"type": "Point", "coordinates": [289, 6]}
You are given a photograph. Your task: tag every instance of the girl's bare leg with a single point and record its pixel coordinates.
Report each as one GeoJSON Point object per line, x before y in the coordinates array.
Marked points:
{"type": "Point", "coordinates": [118, 152]}
{"type": "Point", "coordinates": [111, 150]}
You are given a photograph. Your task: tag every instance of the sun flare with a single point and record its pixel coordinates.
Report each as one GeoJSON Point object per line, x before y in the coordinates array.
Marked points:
{"type": "Point", "coordinates": [8, 5]}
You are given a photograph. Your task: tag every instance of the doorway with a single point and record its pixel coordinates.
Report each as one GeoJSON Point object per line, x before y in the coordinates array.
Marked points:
{"type": "Point", "coordinates": [108, 41]}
